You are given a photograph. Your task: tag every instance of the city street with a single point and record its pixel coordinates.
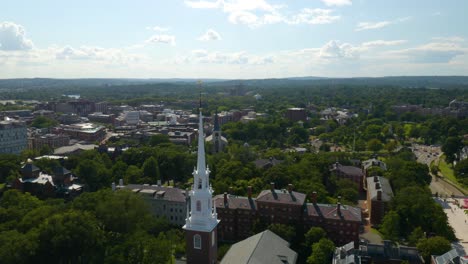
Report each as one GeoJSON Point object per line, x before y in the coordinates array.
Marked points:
{"type": "Point", "coordinates": [427, 154]}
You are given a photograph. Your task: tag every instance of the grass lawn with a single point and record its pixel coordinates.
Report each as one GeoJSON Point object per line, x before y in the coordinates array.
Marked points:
{"type": "Point", "coordinates": [447, 171]}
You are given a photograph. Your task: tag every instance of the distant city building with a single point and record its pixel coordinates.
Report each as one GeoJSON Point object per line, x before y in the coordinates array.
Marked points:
{"type": "Point", "coordinates": [101, 107]}
{"type": "Point", "coordinates": [13, 136]}
{"type": "Point", "coordinates": [379, 195]}
{"type": "Point", "coordinates": [296, 114]}
{"type": "Point", "coordinates": [53, 141]}
{"type": "Point", "coordinates": [265, 247]}
{"type": "Point", "coordinates": [100, 117]}
{"type": "Point", "coordinates": [83, 131]}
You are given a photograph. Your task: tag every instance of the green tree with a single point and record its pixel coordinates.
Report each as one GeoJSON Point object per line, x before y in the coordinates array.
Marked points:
{"type": "Point", "coordinates": [391, 226]}
{"type": "Point", "coordinates": [314, 235]}
{"type": "Point", "coordinates": [415, 236]}
{"type": "Point", "coordinates": [284, 231]}
{"type": "Point", "coordinates": [16, 247]}
{"type": "Point", "coordinates": [70, 237]}
{"type": "Point", "coordinates": [322, 252]}
{"type": "Point", "coordinates": [43, 122]}
{"type": "Point", "coordinates": [151, 169]}
{"type": "Point", "coordinates": [374, 145]}
{"type": "Point", "coordinates": [433, 246]}
{"type": "Point", "coordinates": [451, 147]}
{"type": "Point", "coordinates": [158, 139]}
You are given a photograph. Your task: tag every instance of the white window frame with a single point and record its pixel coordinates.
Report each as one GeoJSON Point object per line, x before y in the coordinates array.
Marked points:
{"type": "Point", "coordinates": [197, 241]}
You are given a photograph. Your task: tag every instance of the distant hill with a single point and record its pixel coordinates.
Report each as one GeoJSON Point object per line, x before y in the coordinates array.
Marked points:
{"type": "Point", "coordinates": [401, 81]}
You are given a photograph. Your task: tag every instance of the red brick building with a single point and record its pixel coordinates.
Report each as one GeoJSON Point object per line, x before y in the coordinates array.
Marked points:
{"type": "Point", "coordinates": [352, 173]}
{"type": "Point", "coordinates": [238, 215]}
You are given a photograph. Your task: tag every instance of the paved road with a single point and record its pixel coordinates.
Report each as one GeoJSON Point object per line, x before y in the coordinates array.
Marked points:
{"type": "Point", "coordinates": [427, 154]}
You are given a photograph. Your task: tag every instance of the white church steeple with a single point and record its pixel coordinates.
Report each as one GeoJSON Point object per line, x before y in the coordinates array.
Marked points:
{"type": "Point", "coordinates": [203, 215]}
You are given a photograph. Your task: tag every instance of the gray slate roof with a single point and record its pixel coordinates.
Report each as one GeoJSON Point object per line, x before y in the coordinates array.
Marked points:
{"type": "Point", "coordinates": [385, 187]}
{"type": "Point", "coordinates": [262, 248]}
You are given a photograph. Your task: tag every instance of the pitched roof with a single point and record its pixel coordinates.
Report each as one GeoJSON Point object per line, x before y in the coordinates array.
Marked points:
{"type": "Point", "coordinates": [330, 211]}
{"type": "Point", "coordinates": [382, 184]}
{"type": "Point", "coordinates": [265, 247]}
{"type": "Point", "coordinates": [235, 202]}
{"type": "Point", "coordinates": [159, 192]}
{"type": "Point", "coordinates": [29, 167]}
{"type": "Point", "coordinates": [281, 196]}
{"type": "Point", "coordinates": [348, 170]}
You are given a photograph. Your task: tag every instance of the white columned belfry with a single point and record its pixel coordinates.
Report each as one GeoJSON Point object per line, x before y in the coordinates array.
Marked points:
{"type": "Point", "coordinates": [201, 222]}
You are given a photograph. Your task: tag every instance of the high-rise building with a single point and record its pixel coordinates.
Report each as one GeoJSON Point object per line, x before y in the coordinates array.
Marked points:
{"type": "Point", "coordinates": [202, 220]}
{"type": "Point", "coordinates": [13, 136]}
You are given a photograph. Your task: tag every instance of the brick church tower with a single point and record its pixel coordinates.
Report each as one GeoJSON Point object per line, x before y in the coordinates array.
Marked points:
{"type": "Point", "coordinates": [202, 220]}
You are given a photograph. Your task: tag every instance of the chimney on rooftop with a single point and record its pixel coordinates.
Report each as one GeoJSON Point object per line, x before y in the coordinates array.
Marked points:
{"type": "Point", "coordinates": [314, 197]}
{"type": "Point", "coordinates": [290, 187]}
{"type": "Point", "coordinates": [249, 192]}
{"type": "Point", "coordinates": [113, 186]}
{"type": "Point", "coordinates": [121, 182]}
{"type": "Point", "coordinates": [338, 208]}
{"type": "Point", "coordinates": [272, 186]}
{"type": "Point", "coordinates": [379, 195]}
{"type": "Point", "coordinates": [225, 199]}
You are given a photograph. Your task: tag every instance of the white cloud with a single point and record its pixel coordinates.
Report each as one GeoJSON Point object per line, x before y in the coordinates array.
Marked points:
{"type": "Point", "coordinates": [381, 24]}
{"type": "Point", "coordinates": [166, 39]}
{"type": "Point", "coordinates": [210, 34]}
{"type": "Point", "coordinates": [255, 13]}
{"type": "Point", "coordinates": [434, 52]}
{"type": "Point", "coordinates": [158, 28]}
{"type": "Point", "coordinates": [13, 37]}
{"type": "Point", "coordinates": [449, 39]}
{"type": "Point", "coordinates": [94, 53]}
{"type": "Point", "coordinates": [335, 49]}
{"type": "Point", "coordinates": [377, 43]}
{"type": "Point", "coordinates": [216, 57]}
{"type": "Point", "coordinates": [337, 2]}
{"type": "Point", "coordinates": [314, 16]}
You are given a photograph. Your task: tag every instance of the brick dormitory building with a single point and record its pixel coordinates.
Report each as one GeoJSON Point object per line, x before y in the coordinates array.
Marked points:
{"type": "Point", "coordinates": [238, 214]}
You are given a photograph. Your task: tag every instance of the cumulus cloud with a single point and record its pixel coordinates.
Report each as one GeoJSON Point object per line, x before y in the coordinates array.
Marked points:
{"type": "Point", "coordinates": [314, 16]}
{"type": "Point", "coordinates": [337, 50]}
{"type": "Point", "coordinates": [94, 53]}
{"type": "Point", "coordinates": [380, 24]}
{"type": "Point", "coordinates": [255, 13]}
{"type": "Point", "coordinates": [337, 2]}
{"type": "Point", "coordinates": [210, 34]}
{"type": "Point", "coordinates": [435, 52]}
{"type": "Point", "coordinates": [13, 37]}
{"type": "Point", "coordinates": [166, 39]}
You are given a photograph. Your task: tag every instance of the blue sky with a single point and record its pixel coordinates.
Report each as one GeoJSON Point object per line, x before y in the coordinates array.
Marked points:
{"type": "Point", "coordinates": [232, 38]}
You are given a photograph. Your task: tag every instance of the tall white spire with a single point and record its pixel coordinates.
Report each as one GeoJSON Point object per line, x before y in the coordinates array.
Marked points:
{"type": "Point", "coordinates": [201, 165]}
{"type": "Point", "coordinates": [203, 216]}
